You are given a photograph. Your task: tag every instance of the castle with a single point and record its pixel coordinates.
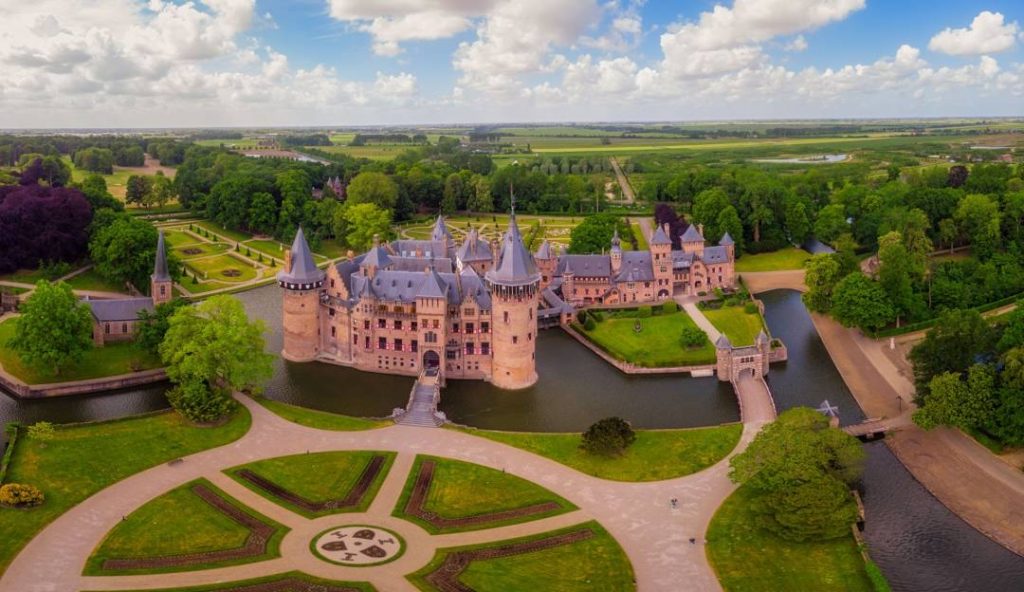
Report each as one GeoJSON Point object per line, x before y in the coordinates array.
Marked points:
{"type": "Point", "coordinates": [473, 311]}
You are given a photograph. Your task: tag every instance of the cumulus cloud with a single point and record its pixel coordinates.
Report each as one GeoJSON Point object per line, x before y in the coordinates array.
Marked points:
{"type": "Point", "coordinates": [988, 33]}
{"type": "Point", "coordinates": [391, 22]}
{"type": "Point", "coordinates": [797, 44]}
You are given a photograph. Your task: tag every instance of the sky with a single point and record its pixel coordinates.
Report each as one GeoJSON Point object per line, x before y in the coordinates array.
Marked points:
{"type": "Point", "coordinates": [237, 63]}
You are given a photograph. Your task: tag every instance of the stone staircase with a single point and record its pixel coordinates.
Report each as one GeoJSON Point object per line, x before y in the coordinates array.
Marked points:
{"type": "Point", "coordinates": [421, 411]}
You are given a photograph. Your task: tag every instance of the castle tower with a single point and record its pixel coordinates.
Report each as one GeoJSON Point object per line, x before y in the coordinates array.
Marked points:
{"type": "Point", "coordinates": [661, 260]}
{"type": "Point", "coordinates": [161, 287]}
{"type": "Point", "coordinates": [693, 240]}
{"type": "Point", "coordinates": [723, 358]}
{"type": "Point", "coordinates": [302, 281]}
{"type": "Point", "coordinates": [431, 310]}
{"type": "Point", "coordinates": [729, 244]}
{"type": "Point", "coordinates": [514, 284]}
{"type": "Point", "coordinates": [546, 263]}
{"type": "Point", "coordinates": [616, 252]}
{"type": "Point", "coordinates": [441, 233]}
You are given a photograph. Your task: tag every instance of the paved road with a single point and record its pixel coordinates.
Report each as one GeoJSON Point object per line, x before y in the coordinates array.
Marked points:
{"type": "Point", "coordinates": [654, 536]}
{"type": "Point", "coordinates": [627, 190]}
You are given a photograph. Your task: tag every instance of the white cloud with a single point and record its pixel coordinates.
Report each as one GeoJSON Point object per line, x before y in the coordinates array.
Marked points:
{"type": "Point", "coordinates": [797, 44]}
{"type": "Point", "coordinates": [391, 22]}
{"type": "Point", "coordinates": [988, 33]}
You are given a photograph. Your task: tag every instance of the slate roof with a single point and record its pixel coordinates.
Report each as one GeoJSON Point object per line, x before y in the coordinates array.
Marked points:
{"type": "Point", "coordinates": [303, 269]}
{"type": "Point", "coordinates": [586, 265]}
{"type": "Point", "coordinates": [692, 235]}
{"type": "Point", "coordinates": [122, 309]}
{"type": "Point", "coordinates": [682, 260]}
{"type": "Point", "coordinates": [515, 265]}
{"type": "Point", "coordinates": [726, 240]}
{"type": "Point", "coordinates": [474, 249]}
{"type": "Point", "coordinates": [473, 285]}
{"type": "Point", "coordinates": [723, 342]}
{"type": "Point", "coordinates": [639, 264]}
{"type": "Point", "coordinates": [406, 286]}
{"type": "Point", "coordinates": [440, 232]}
{"type": "Point", "coordinates": [544, 252]}
{"type": "Point", "coordinates": [659, 237]}
{"type": "Point", "coordinates": [377, 257]}
{"type": "Point", "coordinates": [442, 264]}
{"type": "Point", "coordinates": [160, 265]}
{"type": "Point", "coordinates": [715, 255]}
{"type": "Point", "coordinates": [425, 248]}
{"type": "Point", "coordinates": [433, 286]}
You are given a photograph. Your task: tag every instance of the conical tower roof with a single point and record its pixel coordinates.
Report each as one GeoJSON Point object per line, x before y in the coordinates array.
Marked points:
{"type": "Point", "coordinates": [303, 270]}
{"type": "Point", "coordinates": [440, 231]}
{"type": "Point", "coordinates": [160, 273]}
{"type": "Point", "coordinates": [692, 235]}
{"type": "Point", "coordinates": [723, 342]}
{"type": "Point", "coordinates": [726, 240]}
{"type": "Point", "coordinates": [515, 264]}
{"type": "Point", "coordinates": [544, 252]}
{"type": "Point", "coordinates": [659, 237]}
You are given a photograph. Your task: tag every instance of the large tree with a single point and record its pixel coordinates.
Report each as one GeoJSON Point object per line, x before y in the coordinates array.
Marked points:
{"type": "Point", "coordinates": [979, 219]}
{"type": "Point", "coordinates": [124, 251]}
{"type": "Point", "coordinates": [357, 224]}
{"type": "Point", "coordinates": [39, 223]}
{"type": "Point", "coordinates": [952, 345]}
{"type": "Point", "coordinates": [54, 328]}
{"type": "Point", "coordinates": [823, 273]}
{"type": "Point", "coordinates": [594, 233]}
{"type": "Point", "coordinates": [212, 350]}
{"type": "Point", "coordinates": [954, 401]}
{"type": "Point", "coordinates": [375, 188]}
{"type": "Point", "coordinates": [801, 470]}
{"type": "Point", "coordinates": [857, 301]}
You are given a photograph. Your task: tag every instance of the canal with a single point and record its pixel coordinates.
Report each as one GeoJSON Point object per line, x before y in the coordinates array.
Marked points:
{"type": "Point", "coordinates": [918, 543]}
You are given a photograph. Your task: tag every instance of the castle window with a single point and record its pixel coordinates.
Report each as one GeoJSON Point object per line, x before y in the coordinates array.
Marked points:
{"type": "Point", "coordinates": [355, 340]}
{"type": "Point", "coordinates": [124, 327]}
{"type": "Point", "coordinates": [485, 348]}
{"type": "Point", "coordinates": [468, 312]}
{"type": "Point", "coordinates": [437, 324]}
{"type": "Point", "coordinates": [382, 343]}
{"type": "Point", "coordinates": [398, 345]}
{"type": "Point", "coordinates": [330, 312]}
{"type": "Point", "coordinates": [366, 324]}
{"type": "Point", "coordinates": [506, 317]}
{"type": "Point", "coordinates": [414, 325]}
{"type": "Point", "coordinates": [469, 328]}
{"type": "Point", "coordinates": [163, 290]}
{"type": "Point", "coordinates": [515, 339]}
{"type": "Point", "coordinates": [334, 332]}
{"type": "Point", "coordinates": [455, 327]}
{"type": "Point", "coordinates": [366, 343]}
{"type": "Point", "coordinates": [529, 336]}
{"type": "Point", "coordinates": [106, 328]}
{"type": "Point", "coordinates": [398, 325]}
{"type": "Point", "coordinates": [485, 327]}
{"type": "Point", "coordinates": [450, 354]}
{"type": "Point", "coordinates": [414, 346]}
{"type": "Point", "coordinates": [470, 349]}
{"type": "Point", "coordinates": [382, 323]}
{"type": "Point", "coordinates": [531, 313]}
{"type": "Point", "coordinates": [332, 282]}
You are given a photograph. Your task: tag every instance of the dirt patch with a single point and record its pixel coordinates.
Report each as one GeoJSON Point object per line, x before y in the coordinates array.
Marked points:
{"type": "Point", "coordinates": [352, 499]}
{"type": "Point", "coordinates": [287, 585]}
{"type": "Point", "coordinates": [416, 506]}
{"type": "Point", "coordinates": [232, 273]}
{"type": "Point", "coordinates": [191, 251]}
{"type": "Point", "coordinates": [446, 577]}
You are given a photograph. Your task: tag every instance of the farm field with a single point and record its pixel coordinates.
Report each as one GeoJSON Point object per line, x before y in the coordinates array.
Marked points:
{"type": "Point", "coordinates": [118, 181]}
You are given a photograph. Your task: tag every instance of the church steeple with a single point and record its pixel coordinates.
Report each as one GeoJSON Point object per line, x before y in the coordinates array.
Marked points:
{"type": "Point", "coordinates": [160, 284]}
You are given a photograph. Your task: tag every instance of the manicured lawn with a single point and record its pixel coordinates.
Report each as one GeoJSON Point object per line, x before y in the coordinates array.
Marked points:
{"type": "Point", "coordinates": [641, 241]}
{"type": "Point", "coordinates": [748, 559]}
{"type": "Point", "coordinates": [267, 247]}
{"type": "Point", "coordinates": [292, 576]}
{"type": "Point", "coordinates": [656, 454]}
{"type": "Point", "coordinates": [214, 268]}
{"type": "Point", "coordinates": [222, 232]}
{"type": "Point", "coordinates": [739, 326]}
{"type": "Point", "coordinates": [178, 238]}
{"type": "Point", "coordinates": [320, 420]}
{"type": "Point", "coordinates": [111, 360]}
{"type": "Point", "coordinates": [461, 489]}
{"type": "Point", "coordinates": [189, 252]}
{"type": "Point", "coordinates": [788, 258]}
{"type": "Point", "coordinates": [658, 344]}
{"type": "Point", "coordinates": [92, 280]}
{"type": "Point", "coordinates": [83, 459]}
{"type": "Point", "coordinates": [156, 529]}
{"type": "Point", "coordinates": [317, 477]}
{"type": "Point", "coordinates": [24, 276]}
{"type": "Point", "coordinates": [594, 564]}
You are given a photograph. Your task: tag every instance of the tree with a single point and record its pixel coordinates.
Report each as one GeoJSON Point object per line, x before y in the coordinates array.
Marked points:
{"type": "Point", "coordinates": [375, 188]}
{"type": "Point", "coordinates": [823, 273]}
{"type": "Point", "coordinates": [54, 328]}
{"type": "Point", "coordinates": [801, 471]}
{"type": "Point", "coordinates": [894, 274]}
{"type": "Point", "coordinates": [948, 233]}
{"type": "Point", "coordinates": [831, 223]}
{"type": "Point", "coordinates": [594, 233]}
{"type": "Point", "coordinates": [480, 199]}
{"type": "Point", "coordinates": [160, 191]}
{"type": "Point", "coordinates": [137, 189]}
{"type": "Point", "coordinates": [361, 223]}
{"type": "Point", "coordinates": [610, 436]}
{"type": "Point", "coordinates": [1013, 330]}
{"type": "Point", "coordinates": [295, 188]}
{"type": "Point", "coordinates": [952, 345]}
{"type": "Point", "coordinates": [953, 401]}
{"type": "Point", "coordinates": [262, 213]}
{"type": "Point", "coordinates": [39, 223]}
{"type": "Point", "coordinates": [729, 221]}
{"type": "Point", "coordinates": [124, 251]}
{"type": "Point", "coordinates": [693, 337]}
{"type": "Point", "coordinates": [211, 350]}
{"type": "Point", "coordinates": [859, 302]}
{"type": "Point", "coordinates": [797, 223]}
{"type": "Point", "coordinates": [957, 176]}
{"type": "Point", "coordinates": [978, 217]}
{"type": "Point", "coordinates": [154, 325]}
{"type": "Point", "coordinates": [42, 431]}
{"type": "Point", "coordinates": [706, 208]}
{"type": "Point", "coordinates": [94, 188]}
{"type": "Point", "coordinates": [96, 160]}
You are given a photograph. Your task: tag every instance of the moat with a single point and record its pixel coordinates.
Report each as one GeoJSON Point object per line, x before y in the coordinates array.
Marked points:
{"type": "Point", "coordinates": [917, 542]}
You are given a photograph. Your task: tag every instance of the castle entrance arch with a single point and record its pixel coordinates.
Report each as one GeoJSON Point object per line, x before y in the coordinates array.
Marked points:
{"type": "Point", "coordinates": [431, 360]}
{"type": "Point", "coordinates": [663, 294]}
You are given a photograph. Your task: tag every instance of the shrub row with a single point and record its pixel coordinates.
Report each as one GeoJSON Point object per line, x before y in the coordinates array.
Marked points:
{"type": "Point", "coordinates": [12, 430]}
{"type": "Point", "coordinates": [920, 325]}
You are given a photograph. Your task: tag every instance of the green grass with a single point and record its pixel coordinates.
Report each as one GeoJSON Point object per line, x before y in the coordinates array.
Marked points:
{"type": "Point", "coordinates": [749, 559]}
{"type": "Point", "coordinates": [213, 268]}
{"type": "Point", "coordinates": [738, 325]}
{"type": "Point", "coordinates": [641, 241]}
{"type": "Point", "coordinates": [592, 565]}
{"type": "Point", "coordinates": [92, 280]}
{"type": "Point", "coordinates": [657, 345]}
{"type": "Point", "coordinates": [156, 528]}
{"type": "Point", "coordinates": [272, 248]}
{"type": "Point", "coordinates": [177, 238]}
{"type": "Point", "coordinates": [788, 258]}
{"type": "Point", "coordinates": [317, 477]}
{"type": "Point", "coordinates": [24, 276]}
{"type": "Point", "coordinates": [295, 575]}
{"type": "Point", "coordinates": [97, 362]}
{"type": "Point", "coordinates": [205, 250]}
{"type": "Point", "coordinates": [222, 232]}
{"type": "Point", "coordinates": [321, 420]}
{"type": "Point", "coordinates": [656, 454]}
{"type": "Point", "coordinates": [83, 459]}
{"type": "Point", "coordinates": [461, 489]}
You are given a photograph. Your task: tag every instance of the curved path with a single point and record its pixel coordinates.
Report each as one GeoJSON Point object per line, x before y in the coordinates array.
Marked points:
{"type": "Point", "coordinates": [654, 535]}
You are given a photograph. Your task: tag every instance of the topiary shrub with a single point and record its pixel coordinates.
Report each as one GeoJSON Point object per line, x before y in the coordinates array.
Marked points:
{"type": "Point", "coordinates": [20, 495]}
{"type": "Point", "coordinates": [693, 337]}
{"type": "Point", "coordinates": [581, 316]}
{"type": "Point", "coordinates": [643, 312]}
{"type": "Point", "coordinates": [670, 307]}
{"type": "Point", "coordinates": [589, 324]}
{"type": "Point", "coordinates": [750, 308]}
{"type": "Point", "coordinates": [610, 436]}
{"type": "Point", "coordinates": [598, 315]}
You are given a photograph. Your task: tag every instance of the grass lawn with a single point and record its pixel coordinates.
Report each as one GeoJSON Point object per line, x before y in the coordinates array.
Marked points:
{"type": "Point", "coordinates": [297, 576]}
{"type": "Point", "coordinates": [641, 241]}
{"type": "Point", "coordinates": [658, 344]}
{"type": "Point", "coordinates": [83, 459]}
{"type": "Point", "coordinates": [215, 268]}
{"type": "Point", "coordinates": [321, 420]}
{"type": "Point", "coordinates": [739, 326]}
{"type": "Point", "coordinates": [317, 477]}
{"type": "Point", "coordinates": [24, 276]}
{"type": "Point", "coordinates": [222, 232]}
{"type": "Point", "coordinates": [267, 247]}
{"type": "Point", "coordinates": [788, 258]}
{"type": "Point", "coordinates": [155, 529]}
{"type": "Point", "coordinates": [594, 564]}
{"type": "Point", "coordinates": [198, 249]}
{"type": "Point", "coordinates": [656, 454]}
{"type": "Point", "coordinates": [748, 559]}
{"type": "Point", "coordinates": [178, 238]}
{"type": "Point", "coordinates": [114, 359]}
{"type": "Point", "coordinates": [461, 489]}
{"type": "Point", "coordinates": [92, 280]}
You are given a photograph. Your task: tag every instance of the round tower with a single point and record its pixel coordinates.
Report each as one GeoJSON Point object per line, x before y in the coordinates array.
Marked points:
{"type": "Point", "coordinates": [515, 285]}
{"type": "Point", "coordinates": [616, 252]}
{"type": "Point", "coordinates": [302, 282]}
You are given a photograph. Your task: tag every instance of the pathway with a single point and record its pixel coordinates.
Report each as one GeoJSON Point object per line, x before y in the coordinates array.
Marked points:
{"type": "Point", "coordinates": [627, 190]}
{"type": "Point", "coordinates": [638, 515]}
{"type": "Point", "coordinates": [689, 304]}
{"type": "Point", "coordinates": [89, 293]}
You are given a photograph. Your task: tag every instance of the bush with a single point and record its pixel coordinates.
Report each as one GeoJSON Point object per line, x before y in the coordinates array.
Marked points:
{"type": "Point", "coordinates": [670, 307]}
{"type": "Point", "coordinates": [597, 315]}
{"type": "Point", "coordinates": [54, 270]}
{"type": "Point", "coordinates": [643, 312]}
{"type": "Point", "coordinates": [693, 337]}
{"type": "Point", "coordinates": [581, 317]}
{"type": "Point", "coordinates": [199, 403]}
{"type": "Point", "coordinates": [750, 308]}
{"type": "Point", "coordinates": [20, 495]}
{"type": "Point", "coordinates": [610, 436]}
{"type": "Point", "coordinates": [589, 324]}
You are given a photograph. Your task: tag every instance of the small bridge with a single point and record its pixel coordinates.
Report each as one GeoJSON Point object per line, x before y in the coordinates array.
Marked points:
{"type": "Point", "coordinates": [757, 406]}
{"type": "Point", "coordinates": [872, 429]}
{"type": "Point", "coordinates": [421, 410]}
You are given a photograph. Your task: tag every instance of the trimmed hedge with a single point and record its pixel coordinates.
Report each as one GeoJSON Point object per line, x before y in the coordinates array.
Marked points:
{"type": "Point", "coordinates": [12, 430]}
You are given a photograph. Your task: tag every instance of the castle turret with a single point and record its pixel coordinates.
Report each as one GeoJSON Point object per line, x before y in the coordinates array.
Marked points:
{"type": "Point", "coordinates": [723, 358]}
{"type": "Point", "coordinates": [514, 284]}
{"type": "Point", "coordinates": [161, 287]}
{"type": "Point", "coordinates": [441, 233]}
{"type": "Point", "coordinates": [546, 262]}
{"type": "Point", "coordinates": [693, 240]}
{"type": "Point", "coordinates": [302, 281]}
{"type": "Point", "coordinates": [661, 259]}
{"type": "Point", "coordinates": [616, 252]}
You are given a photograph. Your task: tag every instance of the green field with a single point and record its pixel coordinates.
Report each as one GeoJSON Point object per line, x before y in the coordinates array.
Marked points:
{"type": "Point", "coordinates": [154, 530]}
{"type": "Point", "coordinates": [638, 233]}
{"type": "Point", "coordinates": [748, 559]}
{"type": "Point", "coordinates": [317, 477]}
{"type": "Point", "coordinates": [594, 564]}
{"type": "Point", "coordinates": [657, 345]}
{"type": "Point", "coordinates": [739, 326]}
{"type": "Point", "coordinates": [656, 454]}
{"type": "Point", "coordinates": [320, 420]}
{"type": "Point", "coordinates": [221, 268]}
{"type": "Point", "coordinates": [90, 279]}
{"type": "Point", "coordinates": [788, 258]}
{"type": "Point", "coordinates": [97, 362]}
{"type": "Point", "coordinates": [83, 459]}
{"type": "Point", "coordinates": [117, 182]}
{"type": "Point", "coordinates": [461, 489]}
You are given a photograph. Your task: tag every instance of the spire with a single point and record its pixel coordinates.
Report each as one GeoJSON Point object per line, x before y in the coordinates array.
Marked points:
{"type": "Point", "coordinates": [692, 235]}
{"type": "Point", "coordinates": [303, 270]}
{"type": "Point", "coordinates": [544, 252]}
{"type": "Point", "coordinates": [723, 342]}
{"type": "Point", "coordinates": [160, 273]}
{"type": "Point", "coordinates": [440, 231]}
{"type": "Point", "coordinates": [616, 241]}
{"type": "Point", "coordinates": [515, 265]}
{"type": "Point", "coordinates": [726, 240]}
{"type": "Point", "coordinates": [659, 237]}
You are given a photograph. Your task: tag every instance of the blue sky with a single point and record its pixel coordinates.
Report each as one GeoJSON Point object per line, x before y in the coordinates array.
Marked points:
{"type": "Point", "coordinates": [352, 62]}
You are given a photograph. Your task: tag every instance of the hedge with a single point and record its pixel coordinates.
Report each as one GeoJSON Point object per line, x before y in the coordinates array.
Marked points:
{"type": "Point", "coordinates": [918, 326]}
{"type": "Point", "coordinates": [12, 430]}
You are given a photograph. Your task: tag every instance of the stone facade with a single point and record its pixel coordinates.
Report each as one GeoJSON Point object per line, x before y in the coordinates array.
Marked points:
{"type": "Point", "coordinates": [733, 361]}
